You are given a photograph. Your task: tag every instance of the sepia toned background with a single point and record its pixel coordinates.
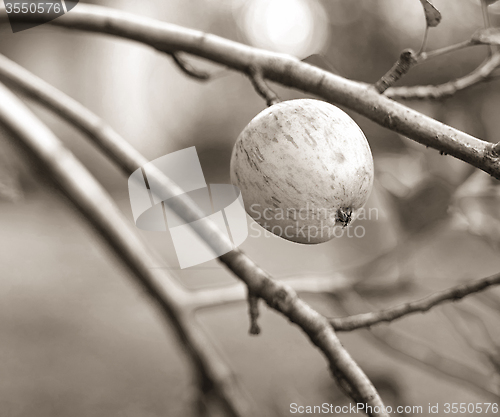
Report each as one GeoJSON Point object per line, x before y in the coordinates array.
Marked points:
{"type": "Point", "coordinates": [77, 337]}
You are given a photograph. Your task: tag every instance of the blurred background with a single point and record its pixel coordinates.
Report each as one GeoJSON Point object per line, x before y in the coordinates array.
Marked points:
{"type": "Point", "coordinates": [76, 335]}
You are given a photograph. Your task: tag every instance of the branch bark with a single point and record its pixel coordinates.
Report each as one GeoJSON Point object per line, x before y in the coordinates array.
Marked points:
{"type": "Point", "coordinates": [287, 71]}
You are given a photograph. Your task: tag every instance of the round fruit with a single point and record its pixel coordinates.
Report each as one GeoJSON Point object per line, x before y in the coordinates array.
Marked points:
{"type": "Point", "coordinates": [303, 167]}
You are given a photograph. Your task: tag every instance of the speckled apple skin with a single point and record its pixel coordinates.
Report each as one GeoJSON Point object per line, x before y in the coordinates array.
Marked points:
{"type": "Point", "coordinates": [305, 159]}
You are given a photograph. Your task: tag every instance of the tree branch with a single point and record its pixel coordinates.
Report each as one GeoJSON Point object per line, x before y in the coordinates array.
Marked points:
{"type": "Point", "coordinates": [100, 211]}
{"type": "Point", "coordinates": [480, 74]}
{"type": "Point", "coordinates": [419, 306]}
{"type": "Point", "coordinates": [406, 61]}
{"type": "Point", "coordinates": [418, 353]}
{"type": "Point", "coordinates": [188, 69]}
{"type": "Point", "coordinates": [287, 71]}
{"type": "Point", "coordinates": [278, 296]}
{"type": "Point", "coordinates": [220, 296]}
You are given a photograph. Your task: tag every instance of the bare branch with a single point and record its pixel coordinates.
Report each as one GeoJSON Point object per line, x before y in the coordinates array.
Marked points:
{"type": "Point", "coordinates": [100, 211]}
{"type": "Point", "coordinates": [288, 71]}
{"type": "Point", "coordinates": [445, 50]}
{"type": "Point", "coordinates": [418, 353]}
{"type": "Point", "coordinates": [480, 74]}
{"type": "Point", "coordinates": [406, 61]}
{"type": "Point", "coordinates": [419, 306]}
{"type": "Point", "coordinates": [188, 69]}
{"type": "Point", "coordinates": [277, 295]}
{"type": "Point", "coordinates": [311, 284]}
{"type": "Point", "coordinates": [261, 87]}
{"type": "Point", "coordinates": [487, 23]}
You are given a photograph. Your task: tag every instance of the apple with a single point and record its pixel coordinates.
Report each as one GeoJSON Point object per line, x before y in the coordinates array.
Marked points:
{"type": "Point", "coordinates": [303, 167]}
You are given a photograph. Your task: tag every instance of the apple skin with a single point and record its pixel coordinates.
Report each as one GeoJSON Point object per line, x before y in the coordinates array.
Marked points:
{"type": "Point", "coordinates": [303, 167]}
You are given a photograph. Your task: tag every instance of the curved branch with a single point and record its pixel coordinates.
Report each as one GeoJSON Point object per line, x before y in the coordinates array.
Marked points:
{"type": "Point", "coordinates": [287, 71]}
{"type": "Point", "coordinates": [278, 296]}
{"type": "Point", "coordinates": [419, 306]}
{"type": "Point", "coordinates": [101, 212]}
{"type": "Point", "coordinates": [480, 74]}
{"type": "Point", "coordinates": [418, 353]}
{"type": "Point", "coordinates": [188, 69]}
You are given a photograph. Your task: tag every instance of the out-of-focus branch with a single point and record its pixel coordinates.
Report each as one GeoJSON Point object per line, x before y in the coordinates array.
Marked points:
{"type": "Point", "coordinates": [480, 74]}
{"type": "Point", "coordinates": [418, 353]}
{"type": "Point", "coordinates": [287, 71]}
{"type": "Point", "coordinates": [100, 211]}
{"type": "Point", "coordinates": [419, 306]}
{"type": "Point", "coordinates": [277, 295]}
{"type": "Point", "coordinates": [310, 284]}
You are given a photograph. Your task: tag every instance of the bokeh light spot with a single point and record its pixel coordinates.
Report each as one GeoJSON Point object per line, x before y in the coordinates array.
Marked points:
{"type": "Point", "coordinates": [296, 27]}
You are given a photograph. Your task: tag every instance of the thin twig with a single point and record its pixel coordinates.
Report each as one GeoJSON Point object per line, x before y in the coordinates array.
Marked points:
{"type": "Point", "coordinates": [258, 82]}
{"type": "Point", "coordinates": [445, 50]}
{"type": "Point", "coordinates": [424, 42]}
{"type": "Point", "coordinates": [188, 69]}
{"type": "Point", "coordinates": [418, 353]}
{"type": "Point", "coordinates": [487, 23]}
{"type": "Point", "coordinates": [419, 306]}
{"type": "Point", "coordinates": [286, 70]}
{"type": "Point", "coordinates": [100, 211]}
{"type": "Point", "coordinates": [420, 92]}
{"type": "Point", "coordinates": [278, 296]}
{"type": "Point", "coordinates": [311, 284]}
{"type": "Point", "coordinates": [406, 61]}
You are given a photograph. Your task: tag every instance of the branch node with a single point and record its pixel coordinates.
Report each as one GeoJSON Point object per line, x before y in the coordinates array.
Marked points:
{"type": "Point", "coordinates": [253, 311]}
{"type": "Point", "coordinates": [406, 61]}
{"type": "Point", "coordinates": [495, 150]}
{"type": "Point", "coordinates": [258, 82]}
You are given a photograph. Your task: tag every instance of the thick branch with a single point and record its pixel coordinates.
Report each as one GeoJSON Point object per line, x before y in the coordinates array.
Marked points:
{"type": "Point", "coordinates": [279, 296]}
{"type": "Point", "coordinates": [419, 306]}
{"type": "Point", "coordinates": [100, 211]}
{"type": "Point", "coordinates": [288, 71]}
